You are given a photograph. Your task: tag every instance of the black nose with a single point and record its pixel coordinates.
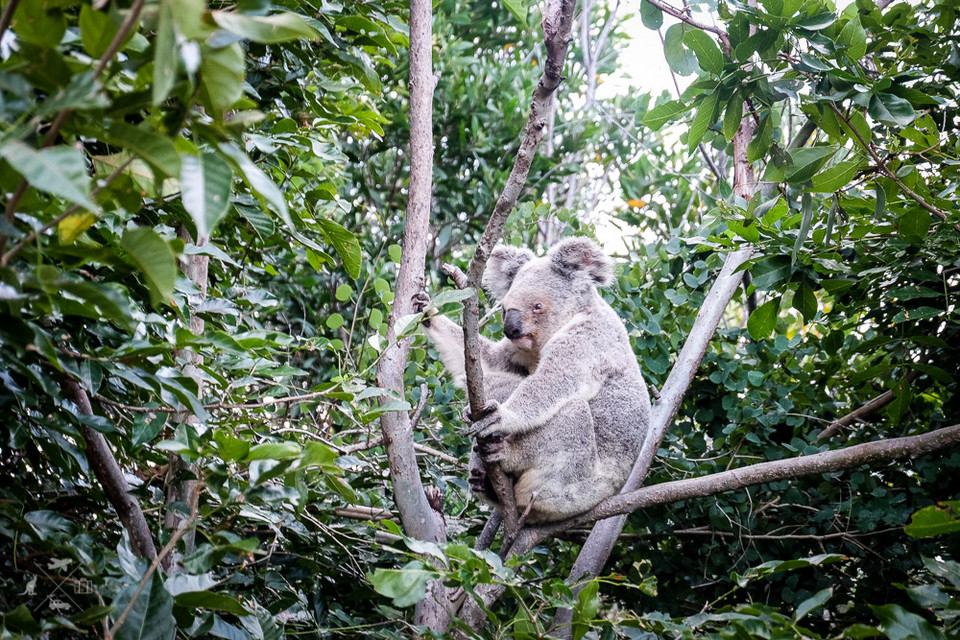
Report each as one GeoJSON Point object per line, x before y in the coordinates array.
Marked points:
{"type": "Point", "coordinates": [512, 324]}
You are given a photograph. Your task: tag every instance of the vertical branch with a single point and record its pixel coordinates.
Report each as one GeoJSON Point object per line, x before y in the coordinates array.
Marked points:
{"type": "Point", "coordinates": [110, 476]}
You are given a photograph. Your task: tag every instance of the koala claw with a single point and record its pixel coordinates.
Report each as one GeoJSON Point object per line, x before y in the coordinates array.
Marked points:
{"type": "Point", "coordinates": [420, 301]}
{"type": "Point", "coordinates": [492, 447]}
{"type": "Point", "coordinates": [490, 417]}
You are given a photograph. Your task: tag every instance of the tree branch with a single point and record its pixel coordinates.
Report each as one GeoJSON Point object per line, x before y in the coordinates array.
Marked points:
{"type": "Point", "coordinates": [878, 451]}
{"type": "Point", "coordinates": [683, 17]}
{"type": "Point", "coordinates": [110, 476]}
{"type": "Point", "coordinates": [872, 406]}
{"type": "Point", "coordinates": [886, 170]}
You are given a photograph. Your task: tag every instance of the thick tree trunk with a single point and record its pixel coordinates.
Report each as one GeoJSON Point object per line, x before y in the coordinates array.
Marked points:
{"type": "Point", "coordinates": [417, 516]}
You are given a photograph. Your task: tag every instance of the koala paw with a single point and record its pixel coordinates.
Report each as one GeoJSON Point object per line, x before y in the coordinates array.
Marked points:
{"type": "Point", "coordinates": [492, 447]}
{"type": "Point", "coordinates": [491, 416]}
{"type": "Point", "coordinates": [478, 480]}
{"type": "Point", "coordinates": [420, 302]}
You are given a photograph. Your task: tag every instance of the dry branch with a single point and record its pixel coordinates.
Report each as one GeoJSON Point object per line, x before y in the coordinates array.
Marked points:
{"type": "Point", "coordinates": [872, 406]}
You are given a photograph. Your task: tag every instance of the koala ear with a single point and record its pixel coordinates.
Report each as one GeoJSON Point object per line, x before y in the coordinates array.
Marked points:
{"type": "Point", "coordinates": [582, 255]}
{"type": "Point", "coordinates": [502, 267]}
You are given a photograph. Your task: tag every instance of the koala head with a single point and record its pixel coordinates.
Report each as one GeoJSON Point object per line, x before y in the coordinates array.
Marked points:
{"type": "Point", "coordinates": [540, 295]}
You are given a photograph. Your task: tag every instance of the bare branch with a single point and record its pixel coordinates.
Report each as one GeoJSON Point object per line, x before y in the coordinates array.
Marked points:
{"type": "Point", "coordinates": [872, 406]}
{"type": "Point", "coordinates": [110, 476]}
{"type": "Point", "coordinates": [875, 452]}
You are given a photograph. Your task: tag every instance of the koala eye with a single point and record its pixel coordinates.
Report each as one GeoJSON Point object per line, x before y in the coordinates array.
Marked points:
{"type": "Point", "coordinates": [538, 307]}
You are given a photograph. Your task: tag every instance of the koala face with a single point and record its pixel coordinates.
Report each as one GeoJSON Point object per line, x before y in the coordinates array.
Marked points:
{"type": "Point", "coordinates": [540, 295]}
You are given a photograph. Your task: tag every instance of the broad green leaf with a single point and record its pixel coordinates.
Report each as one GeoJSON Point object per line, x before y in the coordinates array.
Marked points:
{"type": "Point", "coordinates": [836, 177]}
{"type": "Point", "coordinates": [519, 10]}
{"type": "Point", "coordinates": [60, 171]}
{"type": "Point", "coordinates": [769, 272]}
{"type": "Point", "coordinates": [761, 140]}
{"type": "Point", "coordinates": [406, 586]}
{"type": "Point", "coordinates": [34, 23]}
{"type": "Point", "coordinates": [805, 301]}
{"type": "Point", "coordinates": [890, 109]}
{"type": "Point", "coordinates": [375, 33]}
{"type": "Point", "coordinates": [346, 244]}
{"type": "Point", "coordinates": [811, 603]}
{"type": "Point", "coordinates": [855, 38]}
{"type": "Point", "coordinates": [260, 221]}
{"type": "Point", "coordinates": [899, 624]}
{"type": "Point", "coordinates": [279, 27]}
{"type": "Point", "coordinates": [585, 609]}
{"type": "Point", "coordinates": [97, 30]}
{"type": "Point", "coordinates": [158, 151]}
{"type": "Point", "coordinates": [211, 600]}
{"type": "Point", "coordinates": [257, 180]}
{"type": "Point", "coordinates": [732, 117]}
{"type": "Point", "coordinates": [702, 120]}
{"type": "Point", "coordinates": [806, 162]}
{"type": "Point", "coordinates": [681, 60]}
{"type": "Point", "coordinates": [205, 182]}
{"type": "Point", "coordinates": [664, 113]}
{"type": "Point", "coordinates": [650, 15]}
{"type": "Point", "coordinates": [164, 54]}
{"type": "Point", "coordinates": [153, 255]}
{"type": "Point", "coordinates": [914, 225]}
{"type": "Point", "coordinates": [937, 520]}
{"type": "Point", "coordinates": [763, 320]}
{"type": "Point", "coordinates": [708, 53]}
{"type": "Point", "coordinates": [222, 72]}
{"type": "Point", "coordinates": [273, 451]}
{"type": "Point", "coordinates": [151, 616]}
{"type": "Point", "coordinates": [230, 448]}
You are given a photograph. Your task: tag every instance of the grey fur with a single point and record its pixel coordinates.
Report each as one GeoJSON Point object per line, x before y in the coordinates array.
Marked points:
{"type": "Point", "coordinates": [570, 407]}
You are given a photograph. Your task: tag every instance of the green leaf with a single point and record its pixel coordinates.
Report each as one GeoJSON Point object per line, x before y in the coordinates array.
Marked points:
{"type": "Point", "coordinates": [33, 23]}
{"type": "Point", "coordinates": [937, 520]}
{"type": "Point", "coordinates": [855, 38]}
{"type": "Point", "coordinates": [586, 608]}
{"type": "Point", "coordinates": [763, 320]}
{"type": "Point", "coordinates": [346, 244]}
{"type": "Point", "coordinates": [205, 183]}
{"type": "Point", "coordinates": [211, 600]}
{"type": "Point", "coordinates": [222, 73]}
{"type": "Point", "coordinates": [702, 120]}
{"type": "Point", "coordinates": [151, 616]}
{"type": "Point", "coordinates": [836, 177]}
{"type": "Point", "coordinates": [158, 151]}
{"type": "Point", "coordinates": [914, 225]}
{"type": "Point", "coordinates": [230, 448]}
{"type": "Point", "coordinates": [811, 603]}
{"type": "Point", "coordinates": [806, 162]}
{"type": "Point", "coordinates": [806, 208]}
{"type": "Point", "coordinates": [519, 10]}
{"type": "Point", "coordinates": [164, 54]}
{"type": "Point", "coordinates": [890, 109]}
{"type": "Point", "coordinates": [769, 272]}
{"type": "Point", "coordinates": [257, 180]}
{"type": "Point", "coordinates": [805, 301]}
{"type": "Point", "coordinates": [279, 27]}
{"type": "Point", "coordinates": [273, 451]}
{"type": "Point", "coordinates": [97, 30]}
{"type": "Point", "coordinates": [57, 170]}
{"type": "Point", "coordinates": [761, 141]}
{"type": "Point", "coordinates": [664, 113]}
{"type": "Point", "coordinates": [153, 255]}
{"type": "Point", "coordinates": [708, 53]}
{"type": "Point", "coordinates": [650, 15]}
{"type": "Point", "coordinates": [733, 116]}
{"type": "Point", "coordinates": [681, 60]}
{"type": "Point", "coordinates": [375, 33]}
{"type": "Point", "coordinates": [406, 586]}
{"type": "Point", "coordinates": [899, 624]}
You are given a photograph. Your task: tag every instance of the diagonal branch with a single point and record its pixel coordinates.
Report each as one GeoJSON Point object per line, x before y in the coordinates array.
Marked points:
{"type": "Point", "coordinates": [872, 406]}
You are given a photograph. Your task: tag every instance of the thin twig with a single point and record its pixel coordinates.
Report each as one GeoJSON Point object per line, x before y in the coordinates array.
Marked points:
{"type": "Point", "coordinates": [7, 16]}
{"type": "Point", "coordinates": [872, 406]}
{"type": "Point", "coordinates": [683, 17]}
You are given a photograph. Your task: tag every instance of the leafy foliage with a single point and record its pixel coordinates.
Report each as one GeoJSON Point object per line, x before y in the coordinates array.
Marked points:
{"type": "Point", "coordinates": [203, 211]}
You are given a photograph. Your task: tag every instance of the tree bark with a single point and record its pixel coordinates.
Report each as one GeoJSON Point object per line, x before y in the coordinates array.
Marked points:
{"type": "Point", "coordinates": [417, 516]}
{"type": "Point", "coordinates": [108, 473]}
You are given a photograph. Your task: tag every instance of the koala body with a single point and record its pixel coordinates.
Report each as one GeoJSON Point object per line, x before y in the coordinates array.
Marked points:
{"type": "Point", "coordinates": [569, 405]}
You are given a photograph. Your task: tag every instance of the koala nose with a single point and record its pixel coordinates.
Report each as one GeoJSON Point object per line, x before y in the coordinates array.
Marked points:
{"type": "Point", "coordinates": [512, 324]}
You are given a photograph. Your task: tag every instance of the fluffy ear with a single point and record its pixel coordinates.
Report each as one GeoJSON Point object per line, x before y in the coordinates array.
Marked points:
{"type": "Point", "coordinates": [502, 267]}
{"type": "Point", "coordinates": [582, 255]}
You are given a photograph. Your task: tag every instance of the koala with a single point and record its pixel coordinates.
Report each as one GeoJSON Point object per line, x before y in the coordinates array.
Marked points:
{"type": "Point", "coordinates": [568, 406]}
